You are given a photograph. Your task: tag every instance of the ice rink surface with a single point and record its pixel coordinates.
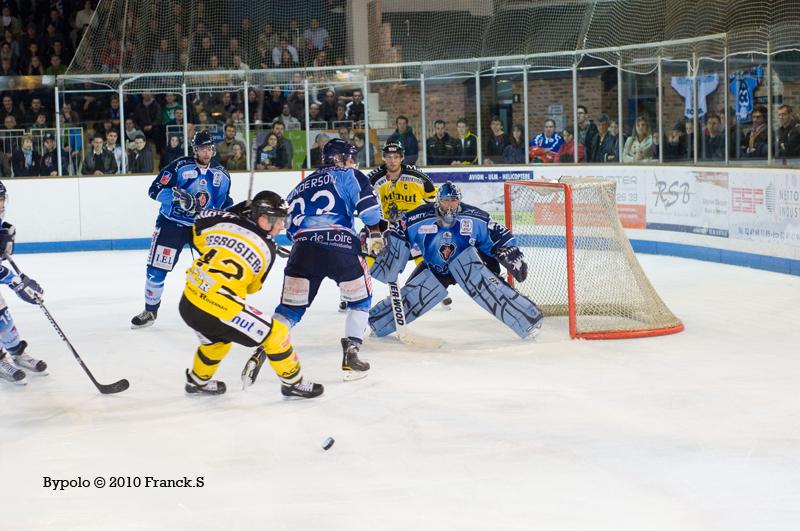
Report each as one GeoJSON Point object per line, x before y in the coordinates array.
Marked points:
{"type": "Point", "coordinates": [695, 431]}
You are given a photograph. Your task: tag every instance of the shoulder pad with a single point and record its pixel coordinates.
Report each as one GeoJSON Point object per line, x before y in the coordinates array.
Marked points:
{"type": "Point", "coordinates": [376, 174]}
{"type": "Point", "coordinates": [420, 213]}
{"type": "Point", "coordinates": [412, 170]}
{"type": "Point", "coordinates": [474, 212]}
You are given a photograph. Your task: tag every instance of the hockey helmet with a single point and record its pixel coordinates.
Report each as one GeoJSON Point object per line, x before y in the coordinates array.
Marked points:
{"type": "Point", "coordinates": [270, 204]}
{"type": "Point", "coordinates": [203, 139]}
{"type": "Point", "coordinates": [337, 151]}
{"type": "Point", "coordinates": [447, 213]}
{"type": "Point", "coordinates": [393, 146]}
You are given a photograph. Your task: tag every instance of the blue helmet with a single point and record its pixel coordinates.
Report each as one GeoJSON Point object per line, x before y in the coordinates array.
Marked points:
{"type": "Point", "coordinates": [338, 151]}
{"type": "Point", "coordinates": [447, 216]}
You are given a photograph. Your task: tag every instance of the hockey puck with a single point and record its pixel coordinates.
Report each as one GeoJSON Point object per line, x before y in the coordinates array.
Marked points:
{"type": "Point", "coordinates": [327, 443]}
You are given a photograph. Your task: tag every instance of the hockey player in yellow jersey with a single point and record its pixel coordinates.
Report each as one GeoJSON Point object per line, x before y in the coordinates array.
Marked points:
{"type": "Point", "coordinates": [237, 251]}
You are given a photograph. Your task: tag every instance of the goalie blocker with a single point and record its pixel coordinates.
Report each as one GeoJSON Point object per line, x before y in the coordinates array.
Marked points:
{"type": "Point", "coordinates": [460, 245]}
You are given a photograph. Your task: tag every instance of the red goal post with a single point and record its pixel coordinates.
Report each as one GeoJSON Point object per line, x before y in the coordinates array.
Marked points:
{"type": "Point", "coordinates": [581, 264]}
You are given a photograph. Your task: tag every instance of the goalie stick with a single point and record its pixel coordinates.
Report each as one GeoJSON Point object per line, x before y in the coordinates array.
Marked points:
{"type": "Point", "coordinates": [399, 314]}
{"type": "Point", "coordinates": [106, 389]}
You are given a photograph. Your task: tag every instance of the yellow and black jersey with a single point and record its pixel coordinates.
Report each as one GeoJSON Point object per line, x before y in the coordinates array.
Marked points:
{"type": "Point", "coordinates": [235, 257]}
{"type": "Point", "coordinates": [412, 189]}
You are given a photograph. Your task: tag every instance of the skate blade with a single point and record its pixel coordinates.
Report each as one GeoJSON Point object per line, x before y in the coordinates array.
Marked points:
{"type": "Point", "coordinates": [352, 376]}
{"type": "Point", "coordinates": [20, 383]}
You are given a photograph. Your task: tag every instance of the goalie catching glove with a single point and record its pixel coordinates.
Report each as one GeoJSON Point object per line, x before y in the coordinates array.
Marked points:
{"type": "Point", "coordinates": [184, 199]}
{"type": "Point", "coordinates": [514, 261]}
{"type": "Point", "coordinates": [28, 289]}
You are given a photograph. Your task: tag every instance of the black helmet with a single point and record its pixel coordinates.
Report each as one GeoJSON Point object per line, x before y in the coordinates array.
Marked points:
{"type": "Point", "coordinates": [393, 146]}
{"type": "Point", "coordinates": [268, 203]}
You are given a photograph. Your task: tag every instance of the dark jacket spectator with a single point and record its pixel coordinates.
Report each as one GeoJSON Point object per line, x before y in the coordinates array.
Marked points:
{"type": "Point", "coordinates": [754, 143]}
{"type": "Point", "coordinates": [327, 109]}
{"type": "Point", "coordinates": [788, 135]}
{"type": "Point", "coordinates": [102, 163]}
{"type": "Point", "coordinates": [405, 136]}
{"type": "Point", "coordinates": [5, 166]}
{"type": "Point", "coordinates": [496, 143]}
{"type": "Point", "coordinates": [713, 147]}
{"type": "Point", "coordinates": [270, 155]}
{"type": "Point", "coordinates": [607, 149]}
{"type": "Point", "coordinates": [465, 146]}
{"type": "Point", "coordinates": [514, 153]}
{"type": "Point", "coordinates": [237, 160]}
{"type": "Point", "coordinates": [140, 159]}
{"type": "Point", "coordinates": [173, 151]}
{"type": "Point", "coordinates": [48, 163]}
{"type": "Point", "coordinates": [440, 146]}
{"type": "Point", "coordinates": [148, 117]}
{"type": "Point", "coordinates": [25, 159]}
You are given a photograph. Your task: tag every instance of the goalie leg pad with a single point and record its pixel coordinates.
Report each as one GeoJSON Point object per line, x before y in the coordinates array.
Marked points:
{"type": "Point", "coordinates": [391, 262]}
{"type": "Point", "coordinates": [420, 294]}
{"type": "Point", "coordinates": [495, 296]}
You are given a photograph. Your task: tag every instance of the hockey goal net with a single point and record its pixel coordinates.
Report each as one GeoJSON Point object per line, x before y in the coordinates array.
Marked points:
{"type": "Point", "coordinates": [581, 262]}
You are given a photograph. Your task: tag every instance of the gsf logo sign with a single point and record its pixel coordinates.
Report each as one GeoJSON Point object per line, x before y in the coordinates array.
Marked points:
{"type": "Point", "coordinates": [669, 194]}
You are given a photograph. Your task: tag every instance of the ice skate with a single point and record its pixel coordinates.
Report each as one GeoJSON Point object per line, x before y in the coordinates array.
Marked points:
{"type": "Point", "coordinates": [144, 319]}
{"type": "Point", "coordinates": [353, 367]}
{"type": "Point", "coordinates": [10, 372]}
{"type": "Point", "coordinates": [195, 385]}
{"type": "Point", "coordinates": [302, 389]}
{"type": "Point", "coordinates": [24, 361]}
{"type": "Point", "coordinates": [342, 306]}
{"type": "Point", "coordinates": [445, 304]}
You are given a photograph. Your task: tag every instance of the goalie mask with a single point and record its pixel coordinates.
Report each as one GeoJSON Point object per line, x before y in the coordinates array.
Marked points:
{"type": "Point", "coordinates": [448, 204]}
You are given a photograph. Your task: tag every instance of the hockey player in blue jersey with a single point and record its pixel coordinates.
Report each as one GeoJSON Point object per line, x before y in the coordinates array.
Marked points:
{"type": "Point", "coordinates": [461, 245]}
{"type": "Point", "coordinates": [185, 187]}
{"type": "Point", "coordinates": [322, 212]}
{"type": "Point", "coordinates": [12, 363]}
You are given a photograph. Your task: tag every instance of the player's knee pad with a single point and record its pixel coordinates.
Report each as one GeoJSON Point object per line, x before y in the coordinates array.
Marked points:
{"type": "Point", "coordinates": [281, 355]}
{"type": "Point", "coordinates": [420, 294]}
{"type": "Point", "coordinates": [156, 275]}
{"type": "Point", "coordinates": [392, 260]}
{"type": "Point", "coordinates": [493, 295]}
{"type": "Point", "coordinates": [207, 358]}
{"type": "Point", "coordinates": [357, 293]}
{"type": "Point", "coordinates": [278, 339]}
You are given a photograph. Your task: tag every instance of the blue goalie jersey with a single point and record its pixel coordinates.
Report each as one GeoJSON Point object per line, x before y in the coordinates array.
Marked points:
{"type": "Point", "coordinates": [323, 207]}
{"type": "Point", "coordinates": [472, 228]}
{"type": "Point", "coordinates": [210, 188]}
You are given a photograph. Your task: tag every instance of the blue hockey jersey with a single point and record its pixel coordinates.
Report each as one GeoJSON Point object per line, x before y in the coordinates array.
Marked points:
{"type": "Point", "coordinates": [472, 228]}
{"type": "Point", "coordinates": [210, 188]}
{"type": "Point", "coordinates": [323, 207]}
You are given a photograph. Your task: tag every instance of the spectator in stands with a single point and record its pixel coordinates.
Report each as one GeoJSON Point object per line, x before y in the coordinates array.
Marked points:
{"type": "Point", "coordinates": [7, 67]}
{"type": "Point", "coordinates": [237, 161]}
{"type": "Point", "coordinates": [165, 59]}
{"type": "Point", "coordinates": [566, 153]}
{"type": "Point", "coordinates": [287, 60]}
{"type": "Point", "coordinates": [328, 108]}
{"type": "Point", "coordinates": [496, 143]}
{"type": "Point", "coordinates": [273, 105]}
{"type": "Point", "coordinates": [269, 155]}
{"type": "Point", "coordinates": [99, 161]}
{"type": "Point", "coordinates": [788, 134]}
{"type": "Point", "coordinates": [675, 142]}
{"type": "Point", "coordinates": [754, 145]}
{"type": "Point", "coordinates": [5, 166]}
{"type": "Point", "coordinates": [41, 121]}
{"type": "Point", "coordinates": [269, 37]}
{"type": "Point", "coordinates": [607, 149]}
{"type": "Point", "coordinates": [31, 36]}
{"type": "Point", "coordinates": [9, 122]}
{"type": "Point", "coordinates": [639, 147]}
{"type": "Point", "coordinates": [341, 115]}
{"type": "Point", "coordinates": [405, 136]}
{"type": "Point", "coordinates": [58, 48]}
{"type": "Point", "coordinates": [315, 118]}
{"type": "Point", "coordinates": [545, 145]}
{"type": "Point", "coordinates": [55, 68]}
{"type": "Point", "coordinates": [11, 22]}
{"type": "Point", "coordinates": [35, 67]}
{"type": "Point", "coordinates": [225, 148]}
{"type": "Point", "coordinates": [173, 151]}
{"type": "Point", "coordinates": [48, 163]}
{"type": "Point", "coordinates": [13, 43]}
{"type": "Point", "coordinates": [297, 105]}
{"type": "Point", "coordinates": [168, 109]}
{"type": "Point", "coordinates": [112, 145]}
{"type": "Point", "coordinates": [148, 116]}
{"type": "Point", "coordinates": [279, 58]}
{"type": "Point", "coordinates": [284, 143]}
{"type": "Point", "coordinates": [141, 156]}
{"type": "Point", "coordinates": [514, 153]}
{"type": "Point", "coordinates": [25, 159]}
{"type": "Point", "coordinates": [321, 59]}
{"type": "Point", "coordinates": [237, 63]}
{"type": "Point", "coordinates": [344, 133]}
{"type": "Point", "coordinates": [355, 107]}
{"type": "Point", "coordinates": [587, 133]}
{"type": "Point", "coordinates": [714, 140]}
{"type": "Point", "coordinates": [71, 118]}
{"type": "Point", "coordinates": [316, 151]}
{"type": "Point", "coordinates": [316, 36]}
{"type": "Point", "coordinates": [9, 109]}
{"type": "Point", "coordinates": [131, 132]}
{"type": "Point", "coordinates": [84, 17]}
{"type": "Point", "coordinates": [440, 145]}
{"type": "Point", "coordinates": [361, 156]}
{"type": "Point", "coordinates": [35, 107]}
{"type": "Point", "coordinates": [465, 146]}
{"type": "Point", "coordinates": [287, 119]}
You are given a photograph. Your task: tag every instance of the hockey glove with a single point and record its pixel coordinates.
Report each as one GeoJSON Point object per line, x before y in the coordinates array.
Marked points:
{"type": "Point", "coordinates": [28, 289]}
{"type": "Point", "coordinates": [184, 199]}
{"type": "Point", "coordinates": [7, 234]}
{"type": "Point", "coordinates": [513, 260]}
{"type": "Point", "coordinates": [375, 243]}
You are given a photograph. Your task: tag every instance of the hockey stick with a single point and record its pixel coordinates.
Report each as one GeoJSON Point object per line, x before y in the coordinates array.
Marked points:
{"type": "Point", "coordinates": [399, 314]}
{"type": "Point", "coordinates": [106, 389]}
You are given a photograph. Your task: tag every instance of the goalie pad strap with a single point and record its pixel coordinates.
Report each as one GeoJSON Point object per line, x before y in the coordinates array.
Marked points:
{"type": "Point", "coordinates": [391, 262]}
{"type": "Point", "coordinates": [420, 294]}
{"type": "Point", "coordinates": [493, 295]}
